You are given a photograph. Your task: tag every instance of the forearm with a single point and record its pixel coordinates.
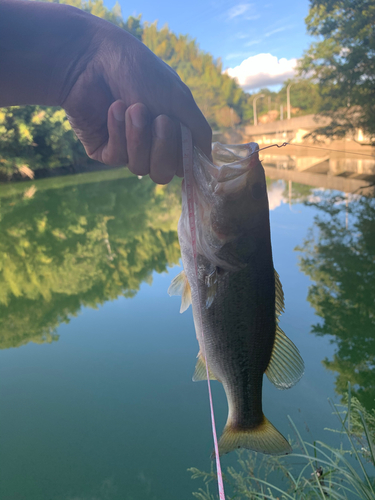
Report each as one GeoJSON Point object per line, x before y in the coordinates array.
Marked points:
{"type": "Point", "coordinates": [43, 49]}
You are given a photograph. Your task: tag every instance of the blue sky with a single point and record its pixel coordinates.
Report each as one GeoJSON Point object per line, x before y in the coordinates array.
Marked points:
{"type": "Point", "coordinates": [236, 31]}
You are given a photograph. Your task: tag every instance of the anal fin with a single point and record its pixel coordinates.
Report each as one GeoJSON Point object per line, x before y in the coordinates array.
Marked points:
{"type": "Point", "coordinates": [200, 372]}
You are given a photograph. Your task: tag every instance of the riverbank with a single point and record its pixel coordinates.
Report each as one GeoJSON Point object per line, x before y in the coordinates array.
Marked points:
{"type": "Point", "coordinates": [43, 173]}
{"type": "Point", "coordinates": [28, 189]}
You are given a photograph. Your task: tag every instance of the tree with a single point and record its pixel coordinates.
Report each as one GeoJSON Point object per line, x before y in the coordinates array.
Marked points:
{"type": "Point", "coordinates": [342, 62]}
{"type": "Point", "coordinates": [339, 256]}
{"type": "Point", "coordinates": [304, 97]}
{"type": "Point", "coordinates": [212, 89]}
{"type": "Point", "coordinates": [39, 137]}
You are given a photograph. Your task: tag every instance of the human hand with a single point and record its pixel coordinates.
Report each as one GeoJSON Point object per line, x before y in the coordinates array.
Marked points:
{"type": "Point", "coordinates": [127, 105]}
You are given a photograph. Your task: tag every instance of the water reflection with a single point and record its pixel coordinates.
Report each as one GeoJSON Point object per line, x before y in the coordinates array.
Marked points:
{"type": "Point", "coordinates": [85, 244]}
{"type": "Point", "coordinates": [280, 192]}
{"type": "Point", "coordinates": [339, 256]}
{"type": "Point", "coordinates": [347, 172]}
{"type": "Point", "coordinates": [323, 163]}
{"type": "Point", "coordinates": [64, 248]}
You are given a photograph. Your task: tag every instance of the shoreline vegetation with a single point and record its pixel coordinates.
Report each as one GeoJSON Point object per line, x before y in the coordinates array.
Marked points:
{"type": "Point", "coordinates": [24, 173]}
{"type": "Point", "coordinates": [313, 471]}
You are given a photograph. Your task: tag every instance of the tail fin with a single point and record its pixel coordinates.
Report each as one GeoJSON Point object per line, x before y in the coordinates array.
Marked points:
{"type": "Point", "coordinates": [264, 438]}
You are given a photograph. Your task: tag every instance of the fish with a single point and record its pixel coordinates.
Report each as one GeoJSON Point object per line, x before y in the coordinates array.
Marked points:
{"type": "Point", "coordinates": [237, 293]}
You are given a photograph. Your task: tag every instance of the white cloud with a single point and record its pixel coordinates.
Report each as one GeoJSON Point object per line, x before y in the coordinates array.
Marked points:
{"type": "Point", "coordinates": [236, 55]}
{"type": "Point", "coordinates": [262, 70]}
{"type": "Point", "coordinates": [276, 195]}
{"type": "Point", "coordinates": [238, 10]}
{"type": "Point", "coordinates": [252, 42]}
{"type": "Point", "coordinates": [242, 36]}
{"type": "Point", "coordinates": [277, 30]}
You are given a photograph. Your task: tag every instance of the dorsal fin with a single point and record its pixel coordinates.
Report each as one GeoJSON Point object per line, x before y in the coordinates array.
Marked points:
{"type": "Point", "coordinates": [279, 296]}
{"type": "Point", "coordinates": [286, 366]}
{"type": "Point", "coordinates": [180, 286]}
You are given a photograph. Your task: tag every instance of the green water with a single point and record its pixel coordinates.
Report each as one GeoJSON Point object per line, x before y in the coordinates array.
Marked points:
{"type": "Point", "coordinates": [96, 397]}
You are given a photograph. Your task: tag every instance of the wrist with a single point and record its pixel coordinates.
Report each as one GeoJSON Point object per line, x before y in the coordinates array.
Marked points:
{"type": "Point", "coordinates": [43, 49]}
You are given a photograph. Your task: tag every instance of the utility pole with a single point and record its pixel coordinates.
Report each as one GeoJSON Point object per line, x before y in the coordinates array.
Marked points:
{"type": "Point", "coordinates": [281, 112]}
{"type": "Point", "coordinates": [255, 107]}
{"type": "Point", "coordinates": [288, 98]}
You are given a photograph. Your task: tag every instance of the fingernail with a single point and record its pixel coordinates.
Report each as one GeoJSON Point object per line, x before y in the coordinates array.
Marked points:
{"type": "Point", "coordinates": [119, 113]}
{"type": "Point", "coordinates": [162, 129]}
{"type": "Point", "coordinates": [138, 116]}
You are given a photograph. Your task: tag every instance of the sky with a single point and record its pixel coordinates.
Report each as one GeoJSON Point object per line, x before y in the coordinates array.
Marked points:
{"type": "Point", "coordinates": [258, 42]}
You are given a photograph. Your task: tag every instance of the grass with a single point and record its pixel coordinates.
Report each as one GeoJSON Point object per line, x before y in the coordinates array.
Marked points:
{"type": "Point", "coordinates": [10, 189]}
{"type": "Point", "coordinates": [324, 472]}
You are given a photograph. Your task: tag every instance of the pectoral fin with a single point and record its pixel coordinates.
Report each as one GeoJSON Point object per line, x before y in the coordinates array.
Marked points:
{"type": "Point", "coordinates": [286, 366]}
{"type": "Point", "coordinates": [211, 287]}
{"type": "Point", "coordinates": [200, 370]}
{"type": "Point", "coordinates": [180, 286]}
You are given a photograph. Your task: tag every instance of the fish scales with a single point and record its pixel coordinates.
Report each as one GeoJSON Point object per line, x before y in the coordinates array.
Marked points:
{"type": "Point", "coordinates": [240, 292]}
{"type": "Point", "coordinates": [236, 356]}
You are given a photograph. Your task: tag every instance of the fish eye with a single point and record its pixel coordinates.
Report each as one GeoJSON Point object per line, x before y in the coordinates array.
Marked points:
{"type": "Point", "coordinates": [258, 190]}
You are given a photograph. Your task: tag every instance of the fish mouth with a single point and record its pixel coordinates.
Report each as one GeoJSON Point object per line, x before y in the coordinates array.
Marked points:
{"type": "Point", "coordinates": [233, 153]}
{"type": "Point", "coordinates": [229, 161]}
{"type": "Point", "coordinates": [235, 160]}
{"type": "Point", "coordinates": [226, 174]}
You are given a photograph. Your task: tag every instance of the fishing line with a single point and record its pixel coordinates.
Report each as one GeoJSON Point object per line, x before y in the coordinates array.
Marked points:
{"type": "Point", "coordinates": [187, 161]}
{"type": "Point", "coordinates": [312, 147]}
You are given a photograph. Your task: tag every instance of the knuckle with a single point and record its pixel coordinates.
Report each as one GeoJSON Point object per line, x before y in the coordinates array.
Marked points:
{"type": "Point", "coordinates": [114, 158]}
{"type": "Point", "coordinates": [186, 91]}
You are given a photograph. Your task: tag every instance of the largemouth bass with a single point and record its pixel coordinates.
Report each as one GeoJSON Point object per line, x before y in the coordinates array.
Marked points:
{"type": "Point", "coordinates": [240, 293]}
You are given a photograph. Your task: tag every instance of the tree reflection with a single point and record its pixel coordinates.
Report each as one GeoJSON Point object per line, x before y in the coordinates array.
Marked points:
{"type": "Point", "coordinates": [339, 256]}
{"type": "Point", "coordinates": [61, 249]}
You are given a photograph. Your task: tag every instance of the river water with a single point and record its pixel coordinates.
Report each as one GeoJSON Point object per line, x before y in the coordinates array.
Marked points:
{"type": "Point", "coordinates": [97, 401]}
